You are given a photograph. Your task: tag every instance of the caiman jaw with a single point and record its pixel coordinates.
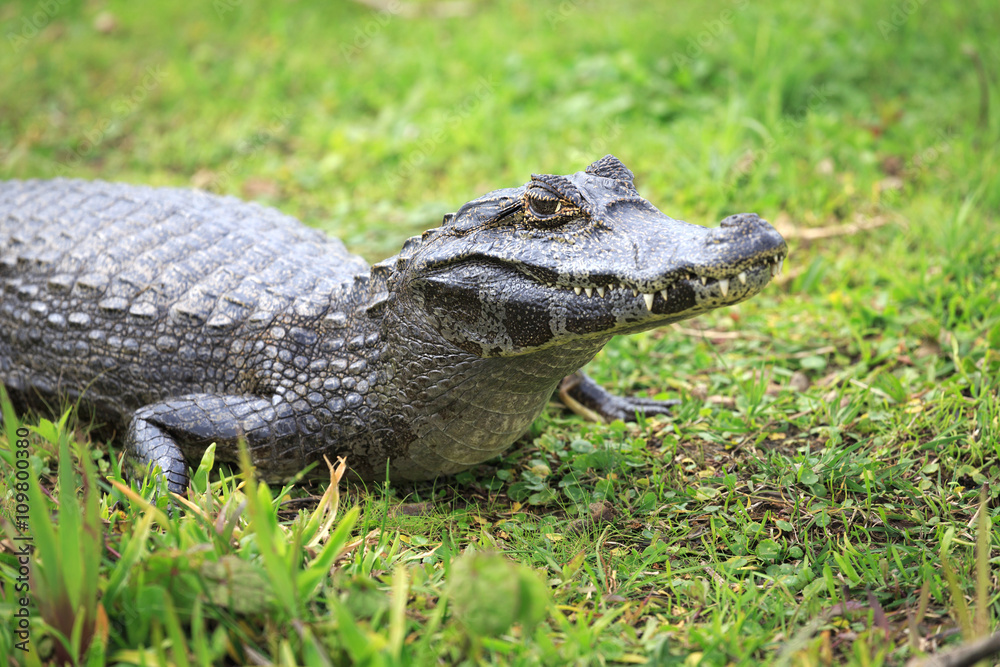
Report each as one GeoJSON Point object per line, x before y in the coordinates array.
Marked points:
{"type": "Point", "coordinates": [726, 284]}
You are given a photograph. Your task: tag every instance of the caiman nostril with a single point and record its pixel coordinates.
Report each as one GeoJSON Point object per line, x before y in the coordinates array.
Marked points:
{"type": "Point", "coordinates": [741, 220]}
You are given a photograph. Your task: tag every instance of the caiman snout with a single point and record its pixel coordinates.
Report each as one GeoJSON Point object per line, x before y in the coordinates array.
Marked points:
{"type": "Point", "coordinates": [742, 240]}
{"type": "Point", "coordinates": [745, 219]}
{"type": "Point", "coordinates": [749, 226]}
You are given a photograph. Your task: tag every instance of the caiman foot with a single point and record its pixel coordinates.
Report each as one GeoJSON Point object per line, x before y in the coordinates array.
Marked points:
{"type": "Point", "coordinates": [160, 433]}
{"type": "Point", "coordinates": [149, 449]}
{"type": "Point", "coordinates": [595, 403]}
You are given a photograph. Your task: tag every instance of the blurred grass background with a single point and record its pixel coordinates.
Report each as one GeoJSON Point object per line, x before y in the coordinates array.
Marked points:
{"type": "Point", "coordinates": [880, 418]}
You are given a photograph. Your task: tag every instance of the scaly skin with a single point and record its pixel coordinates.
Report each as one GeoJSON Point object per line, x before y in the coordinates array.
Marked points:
{"type": "Point", "coordinates": [182, 318]}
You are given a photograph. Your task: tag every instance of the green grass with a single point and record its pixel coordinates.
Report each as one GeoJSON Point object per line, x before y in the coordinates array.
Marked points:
{"type": "Point", "coordinates": [814, 500]}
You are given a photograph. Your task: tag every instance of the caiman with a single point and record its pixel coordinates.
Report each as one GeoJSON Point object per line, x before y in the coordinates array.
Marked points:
{"type": "Point", "coordinates": [182, 318]}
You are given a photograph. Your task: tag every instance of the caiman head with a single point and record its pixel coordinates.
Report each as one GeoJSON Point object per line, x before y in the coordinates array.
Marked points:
{"type": "Point", "coordinates": [564, 259]}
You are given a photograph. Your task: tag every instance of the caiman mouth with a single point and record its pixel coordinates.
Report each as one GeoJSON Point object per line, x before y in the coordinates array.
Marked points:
{"type": "Point", "coordinates": [733, 286]}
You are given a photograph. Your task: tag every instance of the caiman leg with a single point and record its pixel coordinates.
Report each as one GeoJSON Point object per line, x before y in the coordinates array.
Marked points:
{"type": "Point", "coordinates": [593, 402]}
{"type": "Point", "coordinates": [159, 433]}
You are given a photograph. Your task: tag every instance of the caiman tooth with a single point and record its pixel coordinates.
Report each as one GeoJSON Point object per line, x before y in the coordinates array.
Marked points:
{"type": "Point", "coordinates": [724, 286]}
{"type": "Point", "coordinates": [589, 291]}
{"type": "Point", "coordinates": [774, 269]}
{"type": "Point", "coordinates": [742, 275]}
{"type": "Point", "coordinates": [577, 290]}
{"type": "Point", "coordinates": [635, 292]}
{"type": "Point", "coordinates": [600, 291]}
{"type": "Point", "coordinates": [781, 264]}
{"type": "Point", "coordinates": [663, 293]}
{"type": "Point", "coordinates": [704, 280]}
{"type": "Point", "coordinates": [648, 298]}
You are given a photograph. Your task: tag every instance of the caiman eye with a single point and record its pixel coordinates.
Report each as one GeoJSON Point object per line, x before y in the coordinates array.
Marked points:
{"type": "Point", "coordinates": [544, 207]}
{"type": "Point", "coordinates": [548, 211]}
